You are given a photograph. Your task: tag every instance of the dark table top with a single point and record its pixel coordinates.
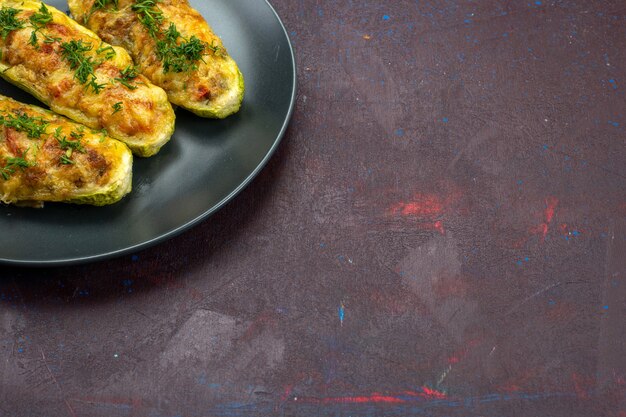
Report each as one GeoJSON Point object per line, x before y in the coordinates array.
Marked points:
{"type": "Point", "coordinates": [442, 232]}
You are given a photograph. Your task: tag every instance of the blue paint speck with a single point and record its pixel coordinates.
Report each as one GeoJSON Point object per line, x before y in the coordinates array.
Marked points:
{"type": "Point", "coordinates": [20, 350]}
{"type": "Point", "coordinates": [467, 21]}
{"type": "Point", "coordinates": [127, 283]}
{"type": "Point", "coordinates": [552, 302]}
{"type": "Point", "coordinates": [399, 132]}
{"type": "Point", "coordinates": [575, 233]}
{"type": "Point", "coordinates": [605, 307]}
{"type": "Point", "coordinates": [538, 3]}
{"type": "Point", "coordinates": [385, 17]}
{"type": "Point", "coordinates": [616, 124]}
{"type": "Point", "coordinates": [520, 182]}
{"type": "Point", "coordinates": [526, 259]}
{"type": "Point", "coordinates": [342, 313]}
{"type": "Point", "coordinates": [322, 245]}
{"type": "Point", "coordinates": [445, 120]}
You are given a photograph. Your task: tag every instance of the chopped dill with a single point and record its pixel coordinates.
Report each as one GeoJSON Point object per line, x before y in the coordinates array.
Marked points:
{"type": "Point", "coordinates": [34, 127]}
{"type": "Point", "coordinates": [66, 159]}
{"type": "Point", "coordinates": [65, 143]}
{"type": "Point", "coordinates": [69, 146]}
{"type": "Point", "coordinates": [9, 21]}
{"type": "Point", "coordinates": [177, 53]}
{"type": "Point", "coordinates": [117, 107]}
{"type": "Point", "coordinates": [99, 5]}
{"type": "Point", "coordinates": [108, 51]}
{"type": "Point", "coordinates": [127, 75]}
{"type": "Point", "coordinates": [74, 52]}
{"type": "Point", "coordinates": [38, 21]}
{"type": "Point", "coordinates": [149, 15]}
{"type": "Point", "coordinates": [11, 164]}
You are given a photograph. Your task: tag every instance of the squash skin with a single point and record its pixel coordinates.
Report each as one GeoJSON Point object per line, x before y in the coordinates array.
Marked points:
{"type": "Point", "coordinates": [100, 173]}
{"type": "Point", "coordinates": [215, 89]}
{"type": "Point", "coordinates": [145, 121]}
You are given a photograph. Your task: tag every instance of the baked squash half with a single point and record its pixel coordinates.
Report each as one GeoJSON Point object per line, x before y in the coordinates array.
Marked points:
{"type": "Point", "coordinates": [46, 157]}
{"type": "Point", "coordinates": [173, 46]}
{"type": "Point", "coordinates": [71, 70]}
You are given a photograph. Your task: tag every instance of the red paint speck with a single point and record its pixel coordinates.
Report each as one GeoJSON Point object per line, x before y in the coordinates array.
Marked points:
{"type": "Point", "coordinates": [510, 388]}
{"type": "Point", "coordinates": [548, 214]}
{"type": "Point", "coordinates": [431, 393]}
{"type": "Point", "coordinates": [427, 209]}
{"type": "Point", "coordinates": [551, 203]}
{"type": "Point", "coordinates": [378, 398]}
{"type": "Point", "coordinates": [582, 386]}
{"type": "Point", "coordinates": [422, 205]}
{"type": "Point", "coordinates": [361, 399]}
{"type": "Point", "coordinates": [287, 393]}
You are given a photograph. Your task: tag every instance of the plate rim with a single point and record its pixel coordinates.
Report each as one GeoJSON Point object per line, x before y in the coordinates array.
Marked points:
{"type": "Point", "coordinates": [198, 219]}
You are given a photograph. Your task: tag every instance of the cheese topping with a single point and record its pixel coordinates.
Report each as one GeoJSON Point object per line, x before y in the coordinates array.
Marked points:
{"type": "Point", "coordinates": [69, 68]}
{"type": "Point", "coordinates": [174, 47]}
{"type": "Point", "coordinates": [45, 157]}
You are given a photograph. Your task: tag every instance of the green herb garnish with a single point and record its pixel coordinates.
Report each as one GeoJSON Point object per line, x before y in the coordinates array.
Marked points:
{"type": "Point", "coordinates": [74, 52]}
{"type": "Point", "coordinates": [34, 127]}
{"type": "Point", "coordinates": [65, 143]}
{"type": "Point", "coordinates": [11, 164]}
{"type": "Point", "coordinates": [69, 146]}
{"type": "Point", "coordinates": [51, 39]}
{"type": "Point", "coordinates": [175, 52]}
{"type": "Point", "coordinates": [65, 159]}
{"type": "Point", "coordinates": [99, 5]}
{"type": "Point", "coordinates": [127, 75]}
{"type": "Point", "coordinates": [117, 107]}
{"type": "Point", "coordinates": [108, 51]}
{"type": "Point", "coordinates": [9, 21]}
{"type": "Point", "coordinates": [149, 15]}
{"type": "Point", "coordinates": [39, 20]}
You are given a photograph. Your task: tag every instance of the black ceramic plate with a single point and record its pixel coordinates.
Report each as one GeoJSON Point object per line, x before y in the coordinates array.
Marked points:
{"type": "Point", "coordinates": [206, 163]}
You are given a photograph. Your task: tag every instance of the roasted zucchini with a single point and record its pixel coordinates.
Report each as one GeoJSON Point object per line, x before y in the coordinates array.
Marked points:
{"type": "Point", "coordinates": [173, 46]}
{"type": "Point", "coordinates": [71, 70]}
{"type": "Point", "coordinates": [46, 157]}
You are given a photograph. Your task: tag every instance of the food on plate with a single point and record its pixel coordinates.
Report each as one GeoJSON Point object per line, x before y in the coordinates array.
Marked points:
{"type": "Point", "coordinates": [173, 46]}
{"type": "Point", "coordinates": [78, 75]}
{"type": "Point", "coordinates": [46, 157]}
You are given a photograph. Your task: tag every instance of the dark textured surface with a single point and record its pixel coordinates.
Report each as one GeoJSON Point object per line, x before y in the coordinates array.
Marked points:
{"type": "Point", "coordinates": [441, 233]}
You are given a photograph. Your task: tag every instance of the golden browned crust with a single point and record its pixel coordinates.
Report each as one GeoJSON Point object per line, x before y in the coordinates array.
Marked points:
{"type": "Point", "coordinates": [214, 87]}
{"type": "Point", "coordinates": [131, 109]}
{"type": "Point", "coordinates": [46, 157]}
